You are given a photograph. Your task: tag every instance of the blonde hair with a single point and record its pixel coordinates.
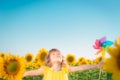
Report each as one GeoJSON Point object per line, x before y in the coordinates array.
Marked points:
{"type": "Point", "coordinates": [48, 62]}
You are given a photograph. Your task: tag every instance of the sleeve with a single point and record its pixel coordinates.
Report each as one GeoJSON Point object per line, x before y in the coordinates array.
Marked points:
{"type": "Point", "coordinates": [66, 69]}
{"type": "Point", "coordinates": [45, 69]}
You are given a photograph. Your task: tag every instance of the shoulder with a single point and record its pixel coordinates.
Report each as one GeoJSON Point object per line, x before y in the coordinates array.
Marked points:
{"type": "Point", "coordinates": [45, 67]}
{"type": "Point", "coordinates": [65, 69]}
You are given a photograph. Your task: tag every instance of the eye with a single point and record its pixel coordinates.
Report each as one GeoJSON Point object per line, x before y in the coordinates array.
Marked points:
{"type": "Point", "coordinates": [59, 53]}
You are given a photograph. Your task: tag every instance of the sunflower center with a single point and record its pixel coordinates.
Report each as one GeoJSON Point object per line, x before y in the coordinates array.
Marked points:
{"type": "Point", "coordinates": [83, 62]}
{"type": "Point", "coordinates": [82, 59]}
{"type": "Point", "coordinates": [70, 59]}
{"type": "Point", "coordinates": [43, 55]}
{"type": "Point", "coordinates": [118, 61]}
{"type": "Point", "coordinates": [100, 58]}
{"type": "Point", "coordinates": [12, 67]}
{"type": "Point", "coordinates": [2, 55]}
{"type": "Point", "coordinates": [29, 58]}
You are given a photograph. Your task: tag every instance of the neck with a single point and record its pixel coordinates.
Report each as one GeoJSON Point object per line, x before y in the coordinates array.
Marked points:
{"type": "Point", "coordinates": [56, 66]}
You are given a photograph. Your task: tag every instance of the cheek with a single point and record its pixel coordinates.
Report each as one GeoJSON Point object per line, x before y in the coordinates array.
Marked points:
{"type": "Point", "coordinates": [52, 58]}
{"type": "Point", "coordinates": [55, 58]}
{"type": "Point", "coordinates": [60, 58]}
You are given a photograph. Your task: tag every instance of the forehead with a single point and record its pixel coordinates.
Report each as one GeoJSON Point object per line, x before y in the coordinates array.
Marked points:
{"type": "Point", "coordinates": [52, 52]}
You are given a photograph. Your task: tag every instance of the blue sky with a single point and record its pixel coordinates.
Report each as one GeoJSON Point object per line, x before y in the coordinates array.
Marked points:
{"type": "Point", "coordinates": [70, 25]}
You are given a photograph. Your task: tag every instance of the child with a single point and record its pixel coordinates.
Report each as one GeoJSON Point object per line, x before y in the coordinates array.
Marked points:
{"type": "Point", "coordinates": [56, 68]}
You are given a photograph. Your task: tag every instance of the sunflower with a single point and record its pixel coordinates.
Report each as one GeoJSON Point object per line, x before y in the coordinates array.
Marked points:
{"type": "Point", "coordinates": [12, 67]}
{"type": "Point", "coordinates": [112, 64]}
{"type": "Point", "coordinates": [116, 77]}
{"type": "Point", "coordinates": [40, 58]}
{"type": "Point", "coordinates": [28, 58]}
{"type": "Point", "coordinates": [2, 54]}
{"type": "Point", "coordinates": [35, 65]}
{"type": "Point", "coordinates": [97, 60]}
{"type": "Point", "coordinates": [80, 60]}
{"type": "Point", "coordinates": [71, 59]}
{"type": "Point", "coordinates": [89, 61]}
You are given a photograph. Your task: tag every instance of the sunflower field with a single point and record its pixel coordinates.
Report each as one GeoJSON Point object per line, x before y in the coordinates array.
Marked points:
{"type": "Point", "coordinates": [12, 67]}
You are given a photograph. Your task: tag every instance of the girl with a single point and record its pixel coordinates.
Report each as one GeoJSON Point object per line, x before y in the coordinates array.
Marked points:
{"type": "Point", "coordinates": [56, 68]}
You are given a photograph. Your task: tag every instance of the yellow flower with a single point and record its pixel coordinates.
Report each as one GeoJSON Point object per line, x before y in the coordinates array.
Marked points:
{"type": "Point", "coordinates": [112, 64]}
{"type": "Point", "coordinates": [115, 76]}
{"type": "Point", "coordinates": [71, 59]}
{"type": "Point", "coordinates": [41, 56]}
{"type": "Point", "coordinates": [97, 60]}
{"type": "Point", "coordinates": [12, 67]}
{"type": "Point", "coordinates": [2, 54]}
{"type": "Point", "coordinates": [81, 60]}
{"type": "Point", "coordinates": [28, 58]}
{"type": "Point", "coordinates": [33, 65]}
{"type": "Point", "coordinates": [89, 61]}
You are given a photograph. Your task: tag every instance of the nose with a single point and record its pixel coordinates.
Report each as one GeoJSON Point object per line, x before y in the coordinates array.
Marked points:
{"type": "Point", "coordinates": [58, 55]}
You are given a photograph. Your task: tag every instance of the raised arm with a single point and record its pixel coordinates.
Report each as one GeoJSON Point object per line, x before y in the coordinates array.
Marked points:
{"type": "Point", "coordinates": [33, 72]}
{"type": "Point", "coordinates": [85, 67]}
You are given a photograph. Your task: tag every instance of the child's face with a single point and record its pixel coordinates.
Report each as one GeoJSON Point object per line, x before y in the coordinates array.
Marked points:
{"type": "Point", "coordinates": [56, 56]}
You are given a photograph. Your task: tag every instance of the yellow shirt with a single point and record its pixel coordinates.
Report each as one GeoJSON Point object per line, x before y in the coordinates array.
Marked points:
{"type": "Point", "coordinates": [50, 74]}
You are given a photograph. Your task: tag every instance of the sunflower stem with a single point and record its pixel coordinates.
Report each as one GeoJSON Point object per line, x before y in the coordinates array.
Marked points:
{"type": "Point", "coordinates": [100, 74]}
{"type": "Point", "coordinates": [33, 78]}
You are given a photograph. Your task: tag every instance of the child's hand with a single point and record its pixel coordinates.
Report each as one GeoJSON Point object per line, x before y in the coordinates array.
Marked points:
{"type": "Point", "coordinates": [100, 64]}
{"type": "Point", "coordinates": [24, 75]}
